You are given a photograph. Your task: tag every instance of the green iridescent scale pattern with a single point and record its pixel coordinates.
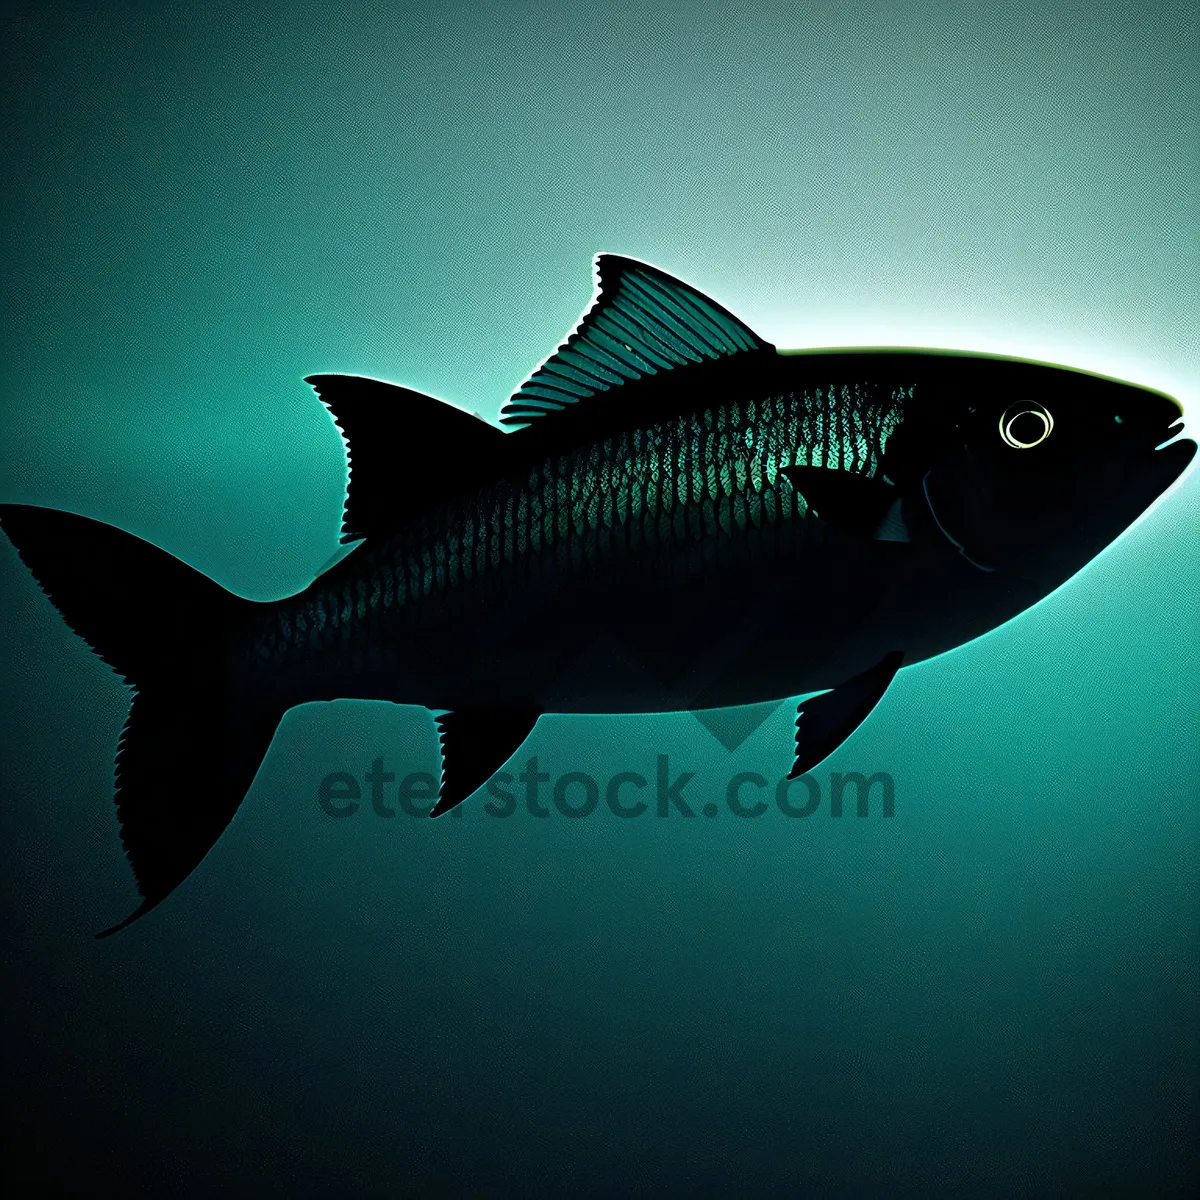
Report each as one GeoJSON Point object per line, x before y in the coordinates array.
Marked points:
{"type": "Point", "coordinates": [703, 480]}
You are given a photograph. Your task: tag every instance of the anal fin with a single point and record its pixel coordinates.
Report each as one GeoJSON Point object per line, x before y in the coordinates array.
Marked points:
{"type": "Point", "coordinates": [824, 722]}
{"type": "Point", "coordinates": [475, 743]}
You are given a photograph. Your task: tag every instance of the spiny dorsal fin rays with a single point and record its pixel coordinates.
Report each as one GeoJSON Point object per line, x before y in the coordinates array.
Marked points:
{"type": "Point", "coordinates": [641, 322]}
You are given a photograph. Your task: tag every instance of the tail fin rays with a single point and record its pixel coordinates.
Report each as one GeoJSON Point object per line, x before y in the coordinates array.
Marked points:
{"type": "Point", "coordinates": [186, 758]}
{"type": "Point", "coordinates": [190, 747]}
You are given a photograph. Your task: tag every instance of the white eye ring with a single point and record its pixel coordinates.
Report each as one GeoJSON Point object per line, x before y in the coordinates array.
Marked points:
{"type": "Point", "coordinates": [1025, 408]}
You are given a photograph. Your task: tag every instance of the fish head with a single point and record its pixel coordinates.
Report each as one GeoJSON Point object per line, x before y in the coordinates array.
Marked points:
{"type": "Point", "coordinates": [1030, 470]}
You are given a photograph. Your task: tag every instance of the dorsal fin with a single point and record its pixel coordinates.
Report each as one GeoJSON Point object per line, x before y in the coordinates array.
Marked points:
{"type": "Point", "coordinates": [400, 445]}
{"type": "Point", "coordinates": [640, 323]}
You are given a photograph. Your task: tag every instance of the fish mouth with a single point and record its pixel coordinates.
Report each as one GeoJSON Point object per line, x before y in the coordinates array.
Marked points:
{"type": "Point", "coordinates": [1148, 421]}
{"type": "Point", "coordinates": [1175, 434]}
{"type": "Point", "coordinates": [1176, 453]}
{"type": "Point", "coordinates": [1162, 463]}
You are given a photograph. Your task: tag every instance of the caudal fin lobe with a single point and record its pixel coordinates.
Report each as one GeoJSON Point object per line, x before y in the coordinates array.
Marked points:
{"type": "Point", "coordinates": [190, 747]}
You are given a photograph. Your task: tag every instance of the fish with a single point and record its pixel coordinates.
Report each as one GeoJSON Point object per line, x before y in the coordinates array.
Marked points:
{"type": "Point", "coordinates": [670, 514]}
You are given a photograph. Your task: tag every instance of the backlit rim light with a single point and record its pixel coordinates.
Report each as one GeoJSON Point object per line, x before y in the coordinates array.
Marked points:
{"type": "Point", "coordinates": [1019, 410]}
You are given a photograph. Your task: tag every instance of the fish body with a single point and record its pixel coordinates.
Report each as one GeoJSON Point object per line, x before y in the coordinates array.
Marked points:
{"type": "Point", "coordinates": [681, 517]}
{"type": "Point", "coordinates": [644, 570]}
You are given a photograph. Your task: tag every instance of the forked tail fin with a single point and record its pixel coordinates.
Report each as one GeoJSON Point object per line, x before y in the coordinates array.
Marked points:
{"type": "Point", "coordinates": [190, 747]}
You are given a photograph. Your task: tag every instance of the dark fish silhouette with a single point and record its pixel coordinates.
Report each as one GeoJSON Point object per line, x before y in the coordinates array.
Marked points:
{"type": "Point", "coordinates": [685, 519]}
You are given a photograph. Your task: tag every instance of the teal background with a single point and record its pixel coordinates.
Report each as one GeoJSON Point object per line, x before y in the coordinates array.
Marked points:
{"type": "Point", "coordinates": [992, 993]}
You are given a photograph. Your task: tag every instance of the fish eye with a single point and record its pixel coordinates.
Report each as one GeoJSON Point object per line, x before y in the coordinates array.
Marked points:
{"type": "Point", "coordinates": [1025, 424]}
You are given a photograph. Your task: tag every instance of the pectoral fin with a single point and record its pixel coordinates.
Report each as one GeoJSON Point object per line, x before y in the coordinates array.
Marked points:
{"type": "Point", "coordinates": [476, 742]}
{"type": "Point", "coordinates": [824, 722]}
{"type": "Point", "coordinates": [848, 502]}
{"type": "Point", "coordinates": [893, 527]}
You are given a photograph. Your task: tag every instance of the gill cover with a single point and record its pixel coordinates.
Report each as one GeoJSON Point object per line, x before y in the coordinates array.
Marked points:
{"type": "Point", "coordinates": [927, 460]}
{"type": "Point", "coordinates": [957, 495]}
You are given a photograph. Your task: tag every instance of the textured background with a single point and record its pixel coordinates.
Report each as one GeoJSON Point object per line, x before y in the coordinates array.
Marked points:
{"type": "Point", "coordinates": [993, 992]}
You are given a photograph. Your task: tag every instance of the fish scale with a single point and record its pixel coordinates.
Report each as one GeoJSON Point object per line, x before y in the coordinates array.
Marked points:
{"type": "Point", "coordinates": [709, 475]}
